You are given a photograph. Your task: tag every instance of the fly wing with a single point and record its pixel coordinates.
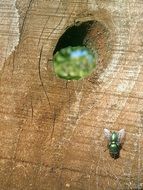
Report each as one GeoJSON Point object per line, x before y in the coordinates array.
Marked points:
{"type": "Point", "coordinates": [121, 135]}
{"type": "Point", "coordinates": [107, 134]}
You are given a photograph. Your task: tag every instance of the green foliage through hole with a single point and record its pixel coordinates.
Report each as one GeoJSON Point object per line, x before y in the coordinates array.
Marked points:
{"type": "Point", "coordinates": [74, 63]}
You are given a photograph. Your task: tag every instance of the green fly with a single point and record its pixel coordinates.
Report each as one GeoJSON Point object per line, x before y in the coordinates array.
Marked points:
{"type": "Point", "coordinates": [114, 142]}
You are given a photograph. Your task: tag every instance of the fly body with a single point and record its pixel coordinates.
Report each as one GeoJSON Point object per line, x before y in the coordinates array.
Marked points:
{"type": "Point", "coordinates": [114, 142]}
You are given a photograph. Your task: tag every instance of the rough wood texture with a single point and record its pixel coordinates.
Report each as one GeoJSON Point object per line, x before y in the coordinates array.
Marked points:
{"type": "Point", "coordinates": [51, 131]}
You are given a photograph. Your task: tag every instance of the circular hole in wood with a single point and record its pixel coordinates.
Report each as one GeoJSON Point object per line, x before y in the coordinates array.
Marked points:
{"type": "Point", "coordinates": [91, 37]}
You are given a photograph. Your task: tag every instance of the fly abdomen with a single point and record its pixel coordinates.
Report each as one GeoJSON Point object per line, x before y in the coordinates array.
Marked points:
{"type": "Point", "coordinates": [114, 148]}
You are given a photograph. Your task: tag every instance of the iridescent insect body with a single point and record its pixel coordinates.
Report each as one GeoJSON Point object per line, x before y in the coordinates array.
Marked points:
{"type": "Point", "coordinates": [115, 142]}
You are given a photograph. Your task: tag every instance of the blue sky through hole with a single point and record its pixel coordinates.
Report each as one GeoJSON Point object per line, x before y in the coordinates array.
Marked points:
{"type": "Point", "coordinates": [80, 53]}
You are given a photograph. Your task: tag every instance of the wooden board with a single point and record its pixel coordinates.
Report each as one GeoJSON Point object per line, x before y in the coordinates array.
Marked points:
{"type": "Point", "coordinates": [51, 130]}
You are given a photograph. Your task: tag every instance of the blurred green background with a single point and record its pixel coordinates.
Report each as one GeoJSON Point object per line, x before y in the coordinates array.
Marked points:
{"type": "Point", "coordinates": [74, 63]}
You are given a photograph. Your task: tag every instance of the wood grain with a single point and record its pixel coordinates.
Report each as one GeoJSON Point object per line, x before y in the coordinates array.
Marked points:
{"type": "Point", "coordinates": [51, 130]}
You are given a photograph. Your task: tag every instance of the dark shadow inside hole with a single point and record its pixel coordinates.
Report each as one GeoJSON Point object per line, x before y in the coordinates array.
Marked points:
{"type": "Point", "coordinates": [74, 36]}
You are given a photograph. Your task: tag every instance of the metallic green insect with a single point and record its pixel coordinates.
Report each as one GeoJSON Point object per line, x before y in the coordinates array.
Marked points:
{"type": "Point", "coordinates": [114, 142]}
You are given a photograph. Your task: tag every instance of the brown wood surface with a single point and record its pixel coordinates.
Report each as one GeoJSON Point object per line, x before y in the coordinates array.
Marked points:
{"type": "Point", "coordinates": [51, 130]}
